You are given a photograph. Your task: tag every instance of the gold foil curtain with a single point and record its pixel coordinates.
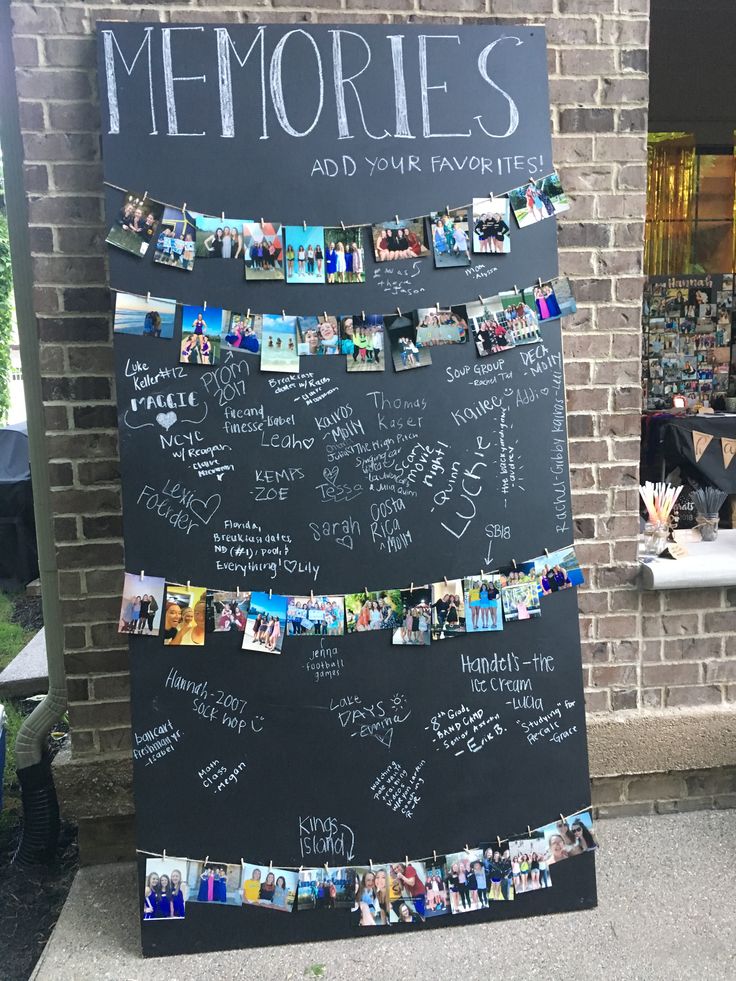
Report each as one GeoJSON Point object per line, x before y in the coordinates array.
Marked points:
{"type": "Point", "coordinates": [671, 176]}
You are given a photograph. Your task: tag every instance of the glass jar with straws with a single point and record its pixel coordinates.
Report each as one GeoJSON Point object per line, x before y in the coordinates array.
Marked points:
{"type": "Point", "coordinates": [659, 500]}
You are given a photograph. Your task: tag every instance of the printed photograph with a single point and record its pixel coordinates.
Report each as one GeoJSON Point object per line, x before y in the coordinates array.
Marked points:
{"type": "Point", "coordinates": [490, 331]}
{"type": "Point", "coordinates": [675, 302]}
{"type": "Point", "coordinates": [555, 570]}
{"type": "Point", "coordinates": [565, 839]}
{"type": "Point", "coordinates": [530, 860]}
{"type": "Point", "coordinates": [483, 604]}
{"type": "Point", "coordinates": [264, 886]}
{"type": "Point", "coordinates": [406, 352]}
{"type": "Point", "coordinates": [142, 603]}
{"type": "Point", "coordinates": [317, 335]}
{"type": "Point", "coordinates": [263, 250]}
{"type": "Point", "coordinates": [278, 344]}
{"type": "Point", "coordinates": [448, 609]}
{"type": "Point", "coordinates": [699, 294]}
{"type": "Point", "coordinates": [542, 298]}
{"type": "Point", "coordinates": [500, 882]}
{"type": "Point", "coordinates": [450, 238]}
{"type": "Point", "coordinates": [437, 326]}
{"type": "Point", "coordinates": [144, 316]}
{"type": "Point", "coordinates": [520, 598]}
{"type": "Point", "coordinates": [415, 615]}
{"type": "Point", "coordinates": [322, 616]}
{"type": "Point", "coordinates": [361, 341]}
{"type": "Point", "coordinates": [491, 220]}
{"type": "Point", "coordinates": [436, 897]}
{"type": "Point", "coordinates": [229, 610]}
{"type": "Point", "coordinates": [462, 881]}
{"type": "Point", "coordinates": [520, 320]}
{"type": "Point", "coordinates": [304, 254]}
{"type": "Point", "coordinates": [344, 255]}
{"type": "Point", "coordinates": [185, 612]}
{"type": "Point", "coordinates": [396, 240]}
{"type": "Point", "coordinates": [371, 906]}
{"type": "Point", "coordinates": [166, 890]}
{"type": "Point", "coordinates": [407, 889]}
{"type": "Point", "coordinates": [241, 332]}
{"type": "Point", "coordinates": [136, 224]}
{"type": "Point", "coordinates": [175, 244]}
{"type": "Point", "coordinates": [213, 882]}
{"type": "Point", "coordinates": [537, 200]}
{"type": "Point", "coordinates": [201, 330]}
{"type": "Point", "coordinates": [329, 888]}
{"type": "Point", "coordinates": [265, 625]}
{"type": "Point", "coordinates": [380, 610]}
{"type": "Point", "coordinates": [218, 238]}
{"type": "Point", "coordinates": [563, 295]}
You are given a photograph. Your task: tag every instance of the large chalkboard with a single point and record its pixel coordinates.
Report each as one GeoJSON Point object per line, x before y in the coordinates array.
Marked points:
{"type": "Point", "coordinates": [444, 471]}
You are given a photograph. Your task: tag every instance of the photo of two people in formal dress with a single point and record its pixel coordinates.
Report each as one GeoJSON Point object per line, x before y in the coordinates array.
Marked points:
{"type": "Point", "coordinates": [136, 224]}
{"type": "Point", "coordinates": [142, 602]}
{"type": "Point", "coordinates": [407, 352]}
{"type": "Point", "coordinates": [490, 219]}
{"type": "Point", "coordinates": [144, 316]}
{"type": "Point", "coordinates": [551, 299]}
{"type": "Point", "coordinates": [538, 199]}
{"type": "Point", "coordinates": [175, 242]}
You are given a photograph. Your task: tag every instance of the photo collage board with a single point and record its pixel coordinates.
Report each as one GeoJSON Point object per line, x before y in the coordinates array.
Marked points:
{"type": "Point", "coordinates": [688, 338]}
{"type": "Point", "coordinates": [358, 425]}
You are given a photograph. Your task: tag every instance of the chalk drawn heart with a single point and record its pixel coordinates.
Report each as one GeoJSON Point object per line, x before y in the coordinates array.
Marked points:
{"type": "Point", "coordinates": [544, 391]}
{"type": "Point", "coordinates": [308, 442]}
{"type": "Point", "coordinates": [385, 737]}
{"type": "Point", "coordinates": [290, 565]}
{"type": "Point", "coordinates": [346, 541]}
{"type": "Point", "coordinates": [331, 474]}
{"type": "Point", "coordinates": [166, 419]}
{"type": "Point", "coordinates": [205, 509]}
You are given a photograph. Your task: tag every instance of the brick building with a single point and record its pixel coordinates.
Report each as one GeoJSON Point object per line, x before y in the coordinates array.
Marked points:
{"type": "Point", "coordinates": [659, 668]}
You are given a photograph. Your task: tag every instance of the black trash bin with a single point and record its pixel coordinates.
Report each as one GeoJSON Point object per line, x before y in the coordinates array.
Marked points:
{"type": "Point", "coordinates": [18, 554]}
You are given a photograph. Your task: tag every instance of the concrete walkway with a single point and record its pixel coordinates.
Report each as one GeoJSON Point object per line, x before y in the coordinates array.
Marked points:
{"type": "Point", "coordinates": [667, 910]}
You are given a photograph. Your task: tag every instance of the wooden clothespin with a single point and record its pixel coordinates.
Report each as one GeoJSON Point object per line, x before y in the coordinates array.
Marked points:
{"type": "Point", "coordinates": [342, 225]}
{"type": "Point", "coordinates": [142, 574]}
{"type": "Point", "coordinates": [399, 311]}
{"type": "Point", "coordinates": [204, 305]}
{"type": "Point", "coordinates": [304, 222]}
{"type": "Point", "coordinates": [148, 297]}
{"type": "Point", "coordinates": [270, 594]}
{"type": "Point", "coordinates": [247, 316]}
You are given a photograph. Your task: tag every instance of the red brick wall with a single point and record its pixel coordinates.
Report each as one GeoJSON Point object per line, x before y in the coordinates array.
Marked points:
{"type": "Point", "coordinates": [638, 650]}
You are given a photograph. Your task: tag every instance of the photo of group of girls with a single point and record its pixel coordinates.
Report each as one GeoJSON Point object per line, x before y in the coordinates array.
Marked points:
{"type": "Point", "coordinates": [229, 610]}
{"type": "Point", "coordinates": [241, 332]}
{"type": "Point", "coordinates": [396, 240]}
{"type": "Point", "coordinates": [491, 218]}
{"type": "Point", "coordinates": [265, 625]}
{"type": "Point", "coordinates": [262, 885]}
{"type": "Point", "coordinates": [263, 250]}
{"type": "Point", "coordinates": [140, 609]}
{"type": "Point", "coordinates": [502, 322]}
{"type": "Point", "coordinates": [218, 238]}
{"type": "Point", "coordinates": [344, 256]}
{"type": "Point", "coordinates": [326, 889]}
{"type": "Point", "coordinates": [450, 238]}
{"type": "Point", "coordinates": [175, 245]}
{"type": "Point", "coordinates": [201, 334]}
{"type": "Point", "coordinates": [305, 253]}
{"type": "Point", "coordinates": [407, 351]}
{"type": "Point", "coordinates": [483, 603]}
{"type": "Point", "coordinates": [135, 226]}
{"type": "Point", "coordinates": [380, 610]}
{"type": "Point", "coordinates": [554, 570]}
{"type": "Point", "coordinates": [415, 617]}
{"type": "Point", "coordinates": [436, 326]}
{"type": "Point", "coordinates": [185, 615]}
{"type": "Point", "coordinates": [317, 335]}
{"type": "Point", "coordinates": [538, 199]}
{"type": "Point", "coordinates": [361, 341]}
{"type": "Point", "coordinates": [322, 616]}
{"type": "Point", "coordinates": [388, 894]}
